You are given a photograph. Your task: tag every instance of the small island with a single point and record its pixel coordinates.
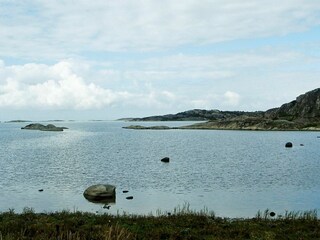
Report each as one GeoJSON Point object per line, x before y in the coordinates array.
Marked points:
{"type": "Point", "coordinates": [139, 127]}
{"type": "Point", "coordinates": [17, 121]}
{"type": "Point", "coordinates": [41, 127]}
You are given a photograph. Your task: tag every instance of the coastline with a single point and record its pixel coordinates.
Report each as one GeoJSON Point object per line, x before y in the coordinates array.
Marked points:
{"type": "Point", "coordinates": [204, 126]}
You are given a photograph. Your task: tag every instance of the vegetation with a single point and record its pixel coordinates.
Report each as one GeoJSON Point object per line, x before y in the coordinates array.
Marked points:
{"type": "Point", "coordinates": [182, 223]}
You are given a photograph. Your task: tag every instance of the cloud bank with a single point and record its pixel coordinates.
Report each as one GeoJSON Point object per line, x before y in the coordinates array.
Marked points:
{"type": "Point", "coordinates": [61, 86]}
{"type": "Point", "coordinates": [66, 28]}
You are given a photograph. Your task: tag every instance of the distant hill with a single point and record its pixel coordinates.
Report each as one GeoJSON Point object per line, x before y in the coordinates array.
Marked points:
{"type": "Point", "coordinates": [198, 115]}
{"type": "Point", "coordinates": [300, 114]}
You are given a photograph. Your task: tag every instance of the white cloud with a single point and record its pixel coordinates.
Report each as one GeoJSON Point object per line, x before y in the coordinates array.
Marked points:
{"type": "Point", "coordinates": [231, 98]}
{"type": "Point", "coordinates": [224, 101]}
{"type": "Point", "coordinates": [56, 86]}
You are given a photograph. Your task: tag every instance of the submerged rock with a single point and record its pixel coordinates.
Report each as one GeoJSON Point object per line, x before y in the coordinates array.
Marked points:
{"type": "Point", "coordinates": [41, 127]}
{"type": "Point", "coordinates": [100, 193]}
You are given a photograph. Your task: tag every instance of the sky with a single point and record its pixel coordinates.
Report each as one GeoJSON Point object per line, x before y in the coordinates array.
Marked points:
{"type": "Point", "coordinates": [106, 59]}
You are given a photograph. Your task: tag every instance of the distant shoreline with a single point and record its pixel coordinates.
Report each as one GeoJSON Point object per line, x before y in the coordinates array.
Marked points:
{"type": "Point", "coordinates": [204, 126]}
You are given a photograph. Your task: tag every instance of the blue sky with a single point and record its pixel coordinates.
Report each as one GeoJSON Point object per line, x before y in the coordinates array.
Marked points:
{"type": "Point", "coordinates": [110, 59]}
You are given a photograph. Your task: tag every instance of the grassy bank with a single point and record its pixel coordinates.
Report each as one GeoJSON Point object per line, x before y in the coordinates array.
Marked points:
{"type": "Point", "coordinates": [180, 224]}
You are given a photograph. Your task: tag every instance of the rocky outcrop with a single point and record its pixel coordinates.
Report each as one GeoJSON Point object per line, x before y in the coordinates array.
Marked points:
{"type": "Point", "coordinates": [41, 127]}
{"type": "Point", "coordinates": [306, 107]}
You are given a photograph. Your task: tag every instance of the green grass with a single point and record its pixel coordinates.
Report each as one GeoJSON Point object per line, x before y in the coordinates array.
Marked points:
{"type": "Point", "coordinates": [181, 223]}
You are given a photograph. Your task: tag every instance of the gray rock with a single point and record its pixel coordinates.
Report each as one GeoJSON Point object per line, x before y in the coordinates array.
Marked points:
{"type": "Point", "coordinates": [100, 192]}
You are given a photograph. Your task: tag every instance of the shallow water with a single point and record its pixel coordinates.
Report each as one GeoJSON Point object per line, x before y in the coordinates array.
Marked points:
{"type": "Point", "coordinates": [233, 173]}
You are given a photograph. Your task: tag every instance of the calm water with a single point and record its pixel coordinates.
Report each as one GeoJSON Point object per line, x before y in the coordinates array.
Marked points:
{"type": "Point", "coordinates": [233, 173]}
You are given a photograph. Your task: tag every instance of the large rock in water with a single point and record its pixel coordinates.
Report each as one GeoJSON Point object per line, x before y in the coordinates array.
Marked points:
{"type": "Point", "coordinates": [41, 127]}
{"type": "Point", "coordinates": [100, 192]}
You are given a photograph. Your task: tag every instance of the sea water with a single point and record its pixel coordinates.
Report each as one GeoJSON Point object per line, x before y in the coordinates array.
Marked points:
{"type": "Point", "coordinates": [233, 173]}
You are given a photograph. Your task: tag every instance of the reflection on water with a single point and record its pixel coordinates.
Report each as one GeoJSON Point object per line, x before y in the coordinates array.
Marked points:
{"type": "Point", "coordinates": [234, 173]}
{"type": "Point", "coordinates": [109, 201]}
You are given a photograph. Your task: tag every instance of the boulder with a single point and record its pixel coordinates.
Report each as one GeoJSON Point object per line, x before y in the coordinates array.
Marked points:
{"type": "Point", "coordinates": [165, 159]}
{"type": "Point", "coordinates": [288, 145]}
{"type": "Point", "coordinates": [100, 192]}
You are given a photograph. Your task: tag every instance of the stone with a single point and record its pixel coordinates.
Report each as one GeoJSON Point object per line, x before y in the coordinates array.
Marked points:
{"type": "Point", "coordinates": [129, 198]}
{"type": "Point", "coordinates": [100, 192]}
{"type": "Point", "coordinates": [288, 145]}
{"type": "Point", "coordinates": [165, 159]}
{"type": "Point", "coordinates": [125, 191]}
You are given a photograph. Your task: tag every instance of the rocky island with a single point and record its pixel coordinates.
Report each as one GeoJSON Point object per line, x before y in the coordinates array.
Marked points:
{"type": "Point", "coordinates": [300, 114]}
{"type": "Point", "coordinates": [41, 127]}
{"type": "Point", "coordinates": [139, 127]}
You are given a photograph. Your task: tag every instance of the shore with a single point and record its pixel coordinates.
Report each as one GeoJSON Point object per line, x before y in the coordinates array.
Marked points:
{"type": "Point", "coordinates": [230, 126]}
{"type": "Point", "coordinates": [180, 224]}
